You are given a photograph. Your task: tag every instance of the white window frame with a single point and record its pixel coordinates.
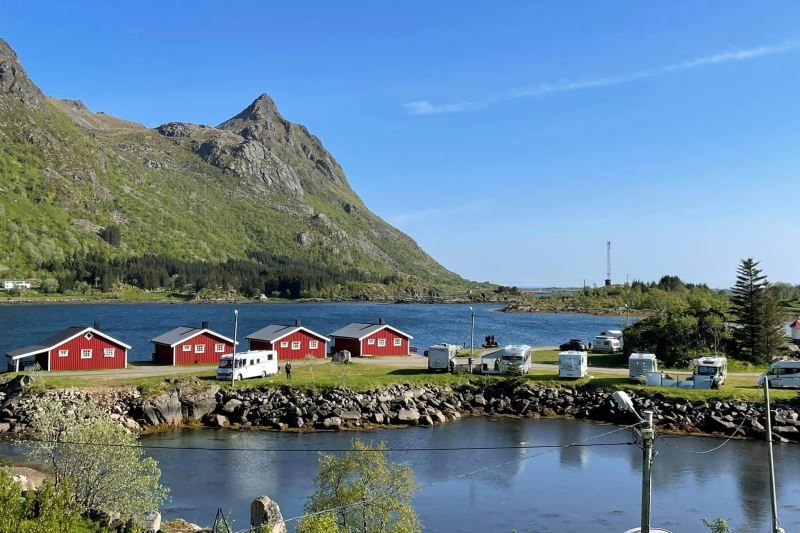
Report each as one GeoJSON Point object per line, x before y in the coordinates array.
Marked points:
{"type": "Point", "coordinates": [199, 348]}
{"type": "Point", "coordinates": [187, 348]}
{"type": "Point", "coordinates": [219, 347]}
{"type": "Point", "coordinates": [284, 344]}
{"type": "Point", "coordinates": [397, 341]}
{"type": "Point", "coordinates": [296, 345]}
{"type": "Point", "coordinates": [86, 353]}
{"type": "Point", "coordinates": [107, 350]}
{"type": "Point", "coordinates": [63, 353]}
{"type": "Point", "coordinates": [370, 342]}
{"type": "Point", "coordinates": [313, 345]}
{"type": "Point", "coordinates": [381, 343]}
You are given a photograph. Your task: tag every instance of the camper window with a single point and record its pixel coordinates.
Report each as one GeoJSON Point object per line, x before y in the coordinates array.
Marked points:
{"type": "Point", "coordinates": [225, 363]}
{"type": "Point", "coordinates": [707, 371]}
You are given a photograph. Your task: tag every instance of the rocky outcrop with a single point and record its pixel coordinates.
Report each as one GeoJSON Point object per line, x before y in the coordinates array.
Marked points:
{"type": "Point", "coordinates": [14, 81]}
{"type": "Point", "coordinates": [405, 405]}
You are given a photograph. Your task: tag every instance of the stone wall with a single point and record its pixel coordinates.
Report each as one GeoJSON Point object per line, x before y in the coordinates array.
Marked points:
{"type": "Point", "coordinates": [404, 405]}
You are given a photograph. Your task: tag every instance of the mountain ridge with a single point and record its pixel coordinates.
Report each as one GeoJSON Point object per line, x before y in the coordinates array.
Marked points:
{"type": "Point", "coordinates": [256, 183]}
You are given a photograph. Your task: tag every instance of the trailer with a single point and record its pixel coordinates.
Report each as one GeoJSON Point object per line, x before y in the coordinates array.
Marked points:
{"type": "Point", "coordinates": [441, 356]}
{"type": "Point", "coordinates": [639, 364]}
{"type": "Point", "coordinates": [573, 364]}
{"type": "Point", "coordinates": [603, 344]}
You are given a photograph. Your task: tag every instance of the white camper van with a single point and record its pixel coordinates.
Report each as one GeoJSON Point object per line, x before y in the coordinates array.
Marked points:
{"type": "Point", "coordinates": [515, 359]}
{"type": "Point", "coordinates": [639, 364]}
{"type": "Point", "coordinates": [573, 364]}
{"type": "Point", "coordinates": [782, 374]}
{"type": "Point", "coordinates": [710, 372]}
{"type": "Point", "coordinates": [252, 364]}
{"type": "Point", "coordinates": [603, 344]}
{"type": "Point", "coordinates": [439, 357]}
{"type": "Point", "coordinates": [614, 334]}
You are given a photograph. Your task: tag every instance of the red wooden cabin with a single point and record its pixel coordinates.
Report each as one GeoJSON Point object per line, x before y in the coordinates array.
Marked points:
{"type": "Point", "coordinates": [188, 346]}
{"type": "Point", "coordinates": [291, 342]}
{"type": "Point", "coordinates": [75, 348]}
{"type": "Point", "coordinates": [371, 339]}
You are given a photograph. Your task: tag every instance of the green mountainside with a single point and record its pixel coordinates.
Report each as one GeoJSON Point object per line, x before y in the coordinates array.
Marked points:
{"type": "Point", "coordinates": [80, 189]}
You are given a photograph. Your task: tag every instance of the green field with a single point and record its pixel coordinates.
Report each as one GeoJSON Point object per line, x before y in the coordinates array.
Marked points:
{"type": "Point", "coordinates": [364, 376]}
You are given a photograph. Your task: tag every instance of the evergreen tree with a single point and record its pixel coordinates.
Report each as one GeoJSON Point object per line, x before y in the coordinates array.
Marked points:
{"type": "Point", "coordinates": [759, 335]}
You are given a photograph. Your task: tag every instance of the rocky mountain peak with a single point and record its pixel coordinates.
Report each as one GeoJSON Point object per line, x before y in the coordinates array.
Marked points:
{"type": "Point", "coordinates": [14, 81]}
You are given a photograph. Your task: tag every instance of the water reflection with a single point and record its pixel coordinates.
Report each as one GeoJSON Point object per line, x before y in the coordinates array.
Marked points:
{"type": "Point", "coordinates": [587, 488]}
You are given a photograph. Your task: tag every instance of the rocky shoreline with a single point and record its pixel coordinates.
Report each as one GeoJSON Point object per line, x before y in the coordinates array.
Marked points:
{"type": "Point", "coordinates": [286, 409]}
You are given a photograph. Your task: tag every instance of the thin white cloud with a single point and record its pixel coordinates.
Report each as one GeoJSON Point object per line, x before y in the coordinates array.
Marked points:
{"type": "Point", "coordinates": [425, 107]}
{"type": "Point", "coordinates": [402, 219]}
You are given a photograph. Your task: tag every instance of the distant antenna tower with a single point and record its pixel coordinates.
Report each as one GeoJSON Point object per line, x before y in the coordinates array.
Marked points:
{"type": "Point", "coordinates": [608, 260]}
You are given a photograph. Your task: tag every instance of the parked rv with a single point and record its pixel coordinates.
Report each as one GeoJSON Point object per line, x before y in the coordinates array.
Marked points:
{"type": "Point", "coordinates": [782, 374]}
{"type": "Point", "coordinates": [614, 334]}
{"type": "Point", "coordinates": [639, 364]}
{"type": "Point", "coordinates": [513, 359]}
{"type": "Point", "coordinates": [711, 370]}
{"type": "Point", "coordinates": [440, 356]}
{"type": "Point", "coordinates": [251, 364]}
{"type": "Point", "coordinates": [604, 344]}
{"type": "Point", "coordinates": [573, 364]}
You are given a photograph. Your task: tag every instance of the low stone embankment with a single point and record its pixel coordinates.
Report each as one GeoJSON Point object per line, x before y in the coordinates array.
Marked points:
{"type": "Point", "coordinates": [402, 405]}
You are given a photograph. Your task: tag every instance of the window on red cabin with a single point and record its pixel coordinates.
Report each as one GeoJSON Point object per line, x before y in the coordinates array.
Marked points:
{"type": "Point", "coordinates": [199, 348]}
{"type": "Point", "coordinates": [381, 342]}
{"type": "Point", "coordinates": [63, 353]}
{"type": "Point", "coordinates": [284, 344]}
{"type": "Point", "coordinates": [295, 345]}
{"type": "Point", "coordinates": [187, 347]}
{"type": "Point", "coordinates": [370, 341]}
{"type": "Point", "coordinates": [219, 348]}
{"type": "Point", "coordinates": [313, 345]}
{"type": "Point", "coordinates": [398, 342]}
{"type": "Point", "coordinates": [86, 353]}
{"type": "Point", "coordinates": [108, 352]}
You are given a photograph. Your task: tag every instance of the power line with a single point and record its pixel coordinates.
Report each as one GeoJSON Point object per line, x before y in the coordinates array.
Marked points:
{"type": "Point", "coordinates": [312, 450]}
{"type": "Point", "coordinates": [715, 448]}
{"type": "Point", "coordinates": [459, 476]}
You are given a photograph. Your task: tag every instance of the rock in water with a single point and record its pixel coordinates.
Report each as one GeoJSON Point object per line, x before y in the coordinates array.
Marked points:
{"type": "Point", "coordinates": [265, 514]}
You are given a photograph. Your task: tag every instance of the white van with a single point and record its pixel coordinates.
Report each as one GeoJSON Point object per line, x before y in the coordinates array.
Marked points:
{"type": "Point", "coordinates": [640, 364]}
{"type": "Point", "coordinates": [252, 364]}
{"type": "Point", "coordinates": [439, 357]}
{"type": "Point", "coordinates": [710, 372]}
{"type": "Point", "coordinates": [603, 344]}
{"type": "Point", "coordinates": [782, 374]}
{"type": "Point", "coordinates": [573, 364]}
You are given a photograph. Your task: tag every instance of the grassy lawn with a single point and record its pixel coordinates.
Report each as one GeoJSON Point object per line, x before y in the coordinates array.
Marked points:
{"type": "Point", "coordinates": [363, 376]}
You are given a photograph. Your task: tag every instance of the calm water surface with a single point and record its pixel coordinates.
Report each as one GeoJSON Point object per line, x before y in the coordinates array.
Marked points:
{"type": "Point", "coordinates": [429, 324]}
{"type": "Point", "coordinates": [575, 489]}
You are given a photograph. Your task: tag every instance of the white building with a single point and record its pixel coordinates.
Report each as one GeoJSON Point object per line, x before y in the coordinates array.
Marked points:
{"type": "Point", "coordinates": [9, 284]}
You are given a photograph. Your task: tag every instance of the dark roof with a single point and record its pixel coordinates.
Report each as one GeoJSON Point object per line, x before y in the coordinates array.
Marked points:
{"type": "Point", "coordinates": [274, 332]}
{"type": "Point", "coordinates": [54, 340]}
{"type": "Point", "coordinates": [180, 334]}
{"type": "Point", "coordinates": [358, 330]}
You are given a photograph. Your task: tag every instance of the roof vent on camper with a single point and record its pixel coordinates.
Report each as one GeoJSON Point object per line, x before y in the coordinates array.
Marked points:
{"type": "Point", "coordinates": [96, 325]}
{"type": "Point", "coordinates": [381, 321]}
{"type": "Point", "coordinates": [297, 322]}
{"type": "Point", "coordinates": [204, 325]}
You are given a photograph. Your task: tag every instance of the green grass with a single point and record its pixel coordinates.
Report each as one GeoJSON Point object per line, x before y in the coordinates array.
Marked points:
{"type": "Point", "coordinates": [362, 376]}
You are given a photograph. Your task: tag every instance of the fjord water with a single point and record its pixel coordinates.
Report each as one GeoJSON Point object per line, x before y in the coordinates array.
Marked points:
{"type": "Point", "coordinates": [429, 324]}
{"type": "Point", "coordinates": [575, 489]}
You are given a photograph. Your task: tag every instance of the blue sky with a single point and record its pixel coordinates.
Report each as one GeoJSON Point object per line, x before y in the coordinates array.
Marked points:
{"type": "Point", "coordinates": [510, 140]}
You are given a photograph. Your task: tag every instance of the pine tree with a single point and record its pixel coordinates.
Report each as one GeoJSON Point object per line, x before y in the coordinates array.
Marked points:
{"type": "Point", "coordinates": [759, 335]}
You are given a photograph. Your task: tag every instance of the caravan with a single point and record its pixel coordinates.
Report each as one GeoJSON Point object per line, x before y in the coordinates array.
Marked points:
{"type": "Point", "coordinates": [440, 357]}
{"type": "Point", "coordinates": [613, 334]}
{"type": "Point", "coordinates": [573, 364]}
{"type": "Point", "coordinates": [603, 344]}
{"type": "Point", "coordinates": [640, 364]}
{"type": "Point", "coordinates": [252, 364]}
{"type": "Point", "coordinates": [782, 374]}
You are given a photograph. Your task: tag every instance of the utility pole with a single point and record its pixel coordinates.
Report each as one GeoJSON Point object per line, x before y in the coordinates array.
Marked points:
{"type": "Point", "coordinates": [608, 261]}
{"type": "Point", "coordinates": [648, 434]}
{"type": "Point", "coordinates": [233, 355]}
{"type": "Point", "coordinates": [776, 528]}
{"type": "Point", "coordinates": [472, 334]}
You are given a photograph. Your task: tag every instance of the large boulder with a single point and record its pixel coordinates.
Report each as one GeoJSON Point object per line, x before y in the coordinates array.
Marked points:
{"type": "Point", "coordinates": [341, 357]}
{"type": "Point", "coordinates": [265, 515]}
{"type": "Point", "coordinates": [164, 409]}
{"type": "Point", "coordinates": [407, 416]}
{"type": "Point", "coordinates": [197, 404]}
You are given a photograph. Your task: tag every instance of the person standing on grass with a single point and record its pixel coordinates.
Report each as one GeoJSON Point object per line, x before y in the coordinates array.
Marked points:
{"type": "Point", "coordinates": [288, 370]}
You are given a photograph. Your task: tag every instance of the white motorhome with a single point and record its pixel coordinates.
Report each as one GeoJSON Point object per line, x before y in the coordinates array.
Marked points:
{"type": "Point", "coordinates": [710, 372]}
{"type": "Point", "coordinates": [516, 359]}
{"type": "Point", "coordinates": [639, 364]}
{"type": "Point", "coordinates": [251, 364]}
{"type": "Point", "coordinates": [614, 334]}
{"type": "Point", "coordinates": [440, 356]}
{"type": "Point", "coordinates": [603, 344]}
{"type": "Point", "coordinates": [782, 374]}
{"type": "Point", "coordinates": [573, 364]}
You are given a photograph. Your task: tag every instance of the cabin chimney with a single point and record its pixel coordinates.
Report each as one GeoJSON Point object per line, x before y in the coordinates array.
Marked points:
{"type": "Point", "coordinates": [96, 325]}
{"type": "Point", "coordinates": [297, 322]}
{"type": "Point", "coordinates": [204, 325]}
{"type": "Point", "coordinates": [381, 321]}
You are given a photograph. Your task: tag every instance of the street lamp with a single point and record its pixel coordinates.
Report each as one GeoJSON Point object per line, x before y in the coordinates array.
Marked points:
{"type": "Point", "coordinates": [233, 354]}
{"type": "Point", "coordinates": [648, 435]}
{"type": "Point", "coordinates": [472, 335]}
